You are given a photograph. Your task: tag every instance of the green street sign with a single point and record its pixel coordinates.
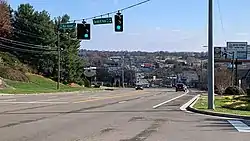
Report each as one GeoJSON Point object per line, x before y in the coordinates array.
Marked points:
{"type": "Point", "coordinates": [102, 21]}
{"type": "Point", "coordinates": [67, 26]}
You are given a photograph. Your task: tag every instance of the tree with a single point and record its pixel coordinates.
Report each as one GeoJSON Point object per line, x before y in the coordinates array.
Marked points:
{"type": "Point", "coordinates": [36, 29]}
{"type": "Point", "coordinates": [72, 64]}
{"type": "Point", "coordinates": [5, 22]}
{"type": "Point", "coordinates": [222, 78]}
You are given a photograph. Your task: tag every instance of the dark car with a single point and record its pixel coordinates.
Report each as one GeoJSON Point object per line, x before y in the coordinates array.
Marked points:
{"type": "Point", "coordinates": [180, 87]}
{"type": "Point", "coordinates": [139, 87]}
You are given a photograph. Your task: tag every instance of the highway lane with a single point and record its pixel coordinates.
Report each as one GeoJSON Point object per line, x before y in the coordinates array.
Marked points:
{"type": "Point", "coordinates": [123, 115]}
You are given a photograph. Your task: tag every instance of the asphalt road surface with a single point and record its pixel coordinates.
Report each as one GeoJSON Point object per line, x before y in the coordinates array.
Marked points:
{"type": "Point", "coordinates": [121, 115]}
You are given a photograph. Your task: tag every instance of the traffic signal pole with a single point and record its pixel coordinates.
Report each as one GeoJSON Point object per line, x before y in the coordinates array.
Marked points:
{"type": "Point", "coordinates": [210, 57]}
{"type": "Point", "coordinates": [59, 59]}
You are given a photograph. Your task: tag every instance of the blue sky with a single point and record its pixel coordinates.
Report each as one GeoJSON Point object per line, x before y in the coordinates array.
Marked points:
{"type": "Point", "coordinates": [168, 25]}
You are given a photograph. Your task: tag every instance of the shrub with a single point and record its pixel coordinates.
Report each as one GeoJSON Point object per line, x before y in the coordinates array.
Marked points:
{"type": "Point", "coordinates": [81, 83]}
{"type": "Point", "coordinates": [12, 74]}
{"type": "Point", "coordinates": [86, 83]}
{"type": "Point", "coordinates": [9, 59]}
{"type": "Point", "coordinates": [248, 92]}
{"type": "Point", "coordinates": [234, 91]}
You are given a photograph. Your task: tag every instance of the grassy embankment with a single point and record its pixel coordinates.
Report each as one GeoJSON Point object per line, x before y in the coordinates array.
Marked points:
{"type": "Point", "coordinates": [239, 105]}
{"type": "Point", "coordinates": [36, 84]}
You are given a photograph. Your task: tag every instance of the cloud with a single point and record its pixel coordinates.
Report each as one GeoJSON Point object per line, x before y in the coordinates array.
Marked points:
{"type": "Point", "coordinates": [158, 28]}
{"type": "Point", "coordinates": [176, 30]}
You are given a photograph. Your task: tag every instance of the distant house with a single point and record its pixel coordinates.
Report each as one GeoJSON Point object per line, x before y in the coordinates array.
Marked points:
{"type": "Point", "coordinates": [115, 58]}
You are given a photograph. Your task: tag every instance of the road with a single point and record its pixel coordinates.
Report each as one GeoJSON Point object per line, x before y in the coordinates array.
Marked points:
{"type": "Point", "coordinates": [121, 115]}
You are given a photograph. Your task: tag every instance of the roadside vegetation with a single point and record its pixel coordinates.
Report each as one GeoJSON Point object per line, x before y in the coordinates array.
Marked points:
{"type": "Point", "coordinates": [36, 84]}
{"type": "Point", "coordinates": [239, 105]}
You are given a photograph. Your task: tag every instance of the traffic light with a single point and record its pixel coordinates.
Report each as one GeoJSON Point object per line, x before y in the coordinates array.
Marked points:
{"type": "Point", "coordinates": [83, 31]}
{"type": "Point", "coordinates": [118, 22]}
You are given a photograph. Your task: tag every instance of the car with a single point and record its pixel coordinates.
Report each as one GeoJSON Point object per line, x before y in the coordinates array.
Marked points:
{"type": "Point", "coordinates": [169, 85]}
{"type": "Point", "coordinates": [139, 87]}
{"type": "Point", "coordinates": [180, 87]}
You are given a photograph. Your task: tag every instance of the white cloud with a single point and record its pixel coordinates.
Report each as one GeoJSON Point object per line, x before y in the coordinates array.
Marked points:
{"type": "Point", "coordinates": [176, 30]}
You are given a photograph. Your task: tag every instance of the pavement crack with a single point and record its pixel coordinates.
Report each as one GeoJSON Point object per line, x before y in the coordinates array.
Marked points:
{"type": "Point", "coordinates": [142, 136]}
{"type": "Point", "coordinates": [107, 130]}
{"type": "Point", "coordinates": [136, 119]}
{"type": "Point", "coordinates": [22, 122]}
{"type": "Point", "coordinates": [29, 108]}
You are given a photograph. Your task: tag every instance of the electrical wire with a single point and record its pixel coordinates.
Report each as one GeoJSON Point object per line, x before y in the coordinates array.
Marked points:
{"type": "Point", "coordinates": [221, 20]}
{"type": "Point", "coordinates": [32, 46]}
{"type": "Point", "coordinates": [23, 50]}
{"type": "Point", "coordinates": [110, 13]}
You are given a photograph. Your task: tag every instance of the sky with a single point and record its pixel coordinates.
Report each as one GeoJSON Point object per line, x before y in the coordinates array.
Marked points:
{"type": "Point", "coordinates": [159, 25]}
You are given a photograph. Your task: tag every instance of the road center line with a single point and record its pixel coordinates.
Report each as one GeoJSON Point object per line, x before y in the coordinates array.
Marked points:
{"type": "Point", "coordinates": [165, 102]}
{"type": "Point", "coordinates": [8, 100]}
{"type": "Point", "coordinates": [239, 125]}
{"type": "Point", "coordinates": [112, 97]}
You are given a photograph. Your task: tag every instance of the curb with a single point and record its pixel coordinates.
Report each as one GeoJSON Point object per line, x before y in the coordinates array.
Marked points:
{"type": "Point", "coordinates": [192, 109]}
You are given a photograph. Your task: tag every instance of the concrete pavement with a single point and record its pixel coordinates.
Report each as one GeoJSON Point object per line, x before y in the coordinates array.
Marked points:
{"type": "Point", "coordinates": [122, 115]}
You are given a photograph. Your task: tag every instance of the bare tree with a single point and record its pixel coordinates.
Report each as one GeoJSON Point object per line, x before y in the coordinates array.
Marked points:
{"type": "Point", "coordinates": [222, 78]}
{"type": "Point", "coordinates": [5, 23]}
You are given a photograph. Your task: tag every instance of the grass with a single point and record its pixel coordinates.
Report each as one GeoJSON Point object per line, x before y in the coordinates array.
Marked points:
{"type": "Point", "coordinates": [226, 104]}
{"type": "Point", "coordinates": [37, 84]}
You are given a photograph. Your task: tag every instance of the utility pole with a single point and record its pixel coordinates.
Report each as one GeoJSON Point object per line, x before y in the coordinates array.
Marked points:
{"type": "Point", "coordinates": [59, 58]}
{"type": "Point", "coordinates": [123, 71]}
{"type": "Point", "coordinates": [210, 57]}
{"type": "Point", "coordinates": [201, 77]}
{"type": "Point", "coordinates": [236, 72]}
{"type": "Point", "coordinates": [233, 69]}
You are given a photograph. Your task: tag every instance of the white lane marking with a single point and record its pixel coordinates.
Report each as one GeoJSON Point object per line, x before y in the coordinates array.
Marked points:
{"type": "Point", "coordinates": [32, 102]}
{"type": "Point", "coordinates": [53, 96]}
{"type": "Point", "coordinates": [240, 126]}
{"type": "Point", "coordinates": [9, 100]}
{"type": "Point", "coordinates": [56, 99]}
{"type": "Point", "coordinates": [184, 107]}
{"type": "Point", "coordinates": [165, 102]}
{"type": "Point", "coordinates": [122, 102]}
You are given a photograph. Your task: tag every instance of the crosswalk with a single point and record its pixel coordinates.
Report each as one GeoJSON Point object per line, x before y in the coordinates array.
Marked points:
{"type": "Point", "coordinates": [240, 125]}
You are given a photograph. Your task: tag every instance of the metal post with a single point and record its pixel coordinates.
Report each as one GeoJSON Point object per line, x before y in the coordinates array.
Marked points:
{"type": "Point", "coordinates": [123, 71]}
{"type": "Point", "coordinates": [59, 59]}
{"type": "Point", "coordinates": [210, 56]}
{"type": "Point", "coordinates": [233, 69]}
{"type": "Point", "coordinates": [201, 74]}
{"type": "Point", "coordinates": [236, 73]}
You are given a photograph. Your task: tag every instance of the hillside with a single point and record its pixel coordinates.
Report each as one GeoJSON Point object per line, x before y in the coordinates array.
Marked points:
{"type": "Point", "coordinates": [36, 84]}
{"type": "Point", "coordinates": [19, 78]}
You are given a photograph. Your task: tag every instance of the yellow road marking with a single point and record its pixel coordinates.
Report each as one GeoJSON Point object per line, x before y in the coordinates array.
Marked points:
{"type": "Point", "coordinates": [112, 97]}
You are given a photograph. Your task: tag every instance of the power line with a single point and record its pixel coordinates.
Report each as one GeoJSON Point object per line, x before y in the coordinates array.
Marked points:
{"type": "Point", "coordinates": [22, 50]}
{"type": "Point", "coordinates": [33, 46]}
{"type": "Point", "coordinates": [19, 31]}
{"type": "Point", "coordinates": [221, 20]}
{"type": "Point", "coordinates": [109, 13]}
